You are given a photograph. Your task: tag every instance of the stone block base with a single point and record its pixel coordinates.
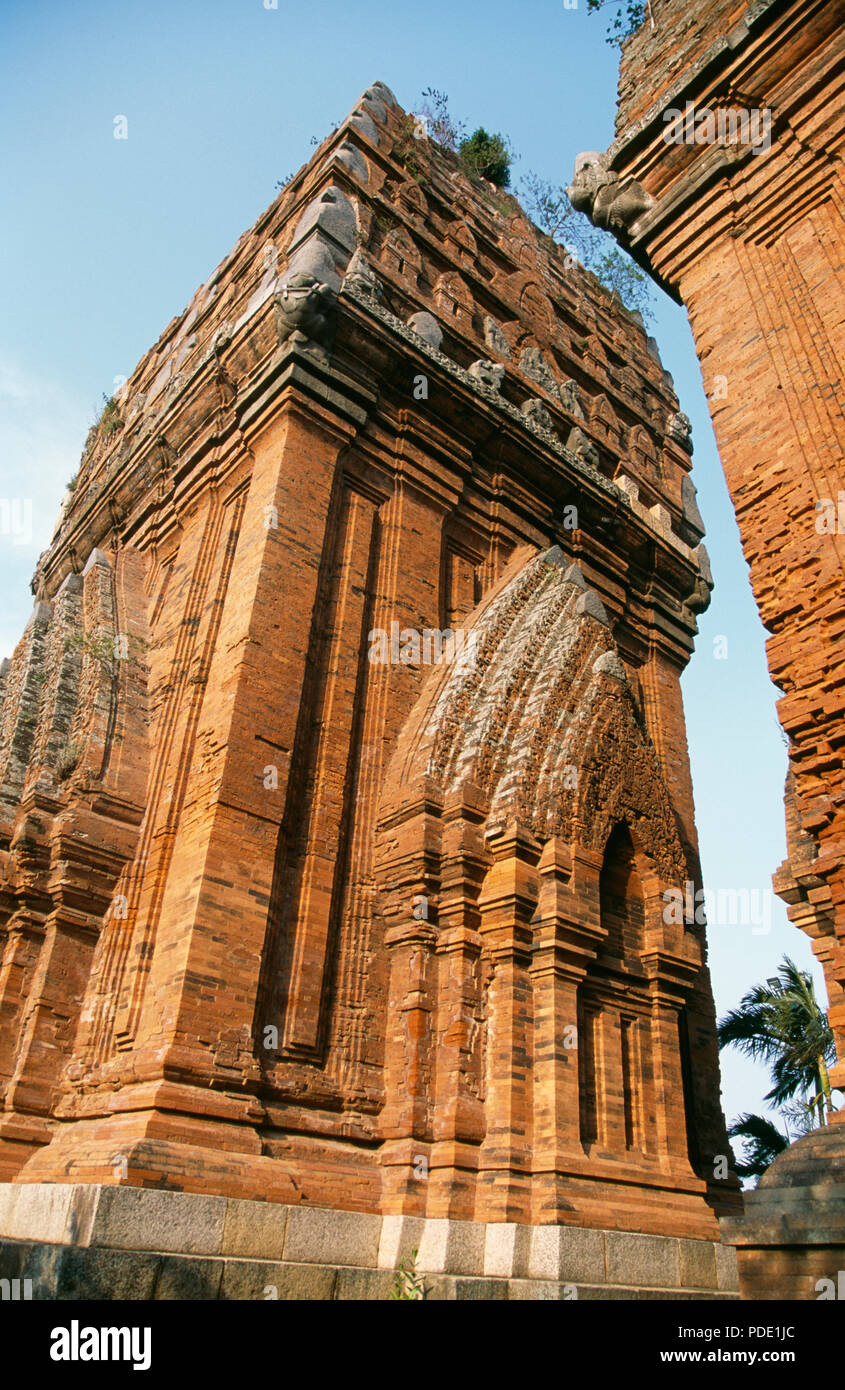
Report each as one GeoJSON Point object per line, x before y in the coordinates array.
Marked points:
{"type": "Point", "coordinates": [790, 1243]}
{"type": "Point", "coordinates": [74, 1241]}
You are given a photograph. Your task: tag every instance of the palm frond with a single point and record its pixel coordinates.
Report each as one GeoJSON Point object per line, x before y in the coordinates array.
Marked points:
{"type": "Point", "coordinates": [762, 1142]}
{"type": "Point", "coordinates": [783, 1024]}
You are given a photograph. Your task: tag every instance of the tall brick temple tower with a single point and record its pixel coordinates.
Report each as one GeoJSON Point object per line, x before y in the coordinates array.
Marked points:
{"type": "Point", "coordinates": [725, 181]}
{"type": "Point", "coordinates": [343, 774]}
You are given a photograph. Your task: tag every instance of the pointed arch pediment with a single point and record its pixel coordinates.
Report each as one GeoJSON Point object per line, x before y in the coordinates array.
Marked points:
{"type": "Point", "coordinates": [400, 251]}
{"type": "Point", "coordinates": [620, 781]}
{"type": "Point", "coordinates": [601, 411]}
{"type": "Point", "coordinates": [411, 198]}
{"type": "Point", "coordinates": [536, 716]}
{"type": "Point", "coordinates": [453, 298]}
{"type": "Point", "coordinates": [596, 349]}
{"type": "Point", "coordinates": [523, 289]}
{"type": "Point", "coordinates": [606, 423]}
{"type": "Point", "coordinates": [459, 235]}
{"type": "Point", "coordinates": [640, 442]}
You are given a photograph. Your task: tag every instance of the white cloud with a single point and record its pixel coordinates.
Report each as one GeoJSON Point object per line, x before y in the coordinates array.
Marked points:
{"type": "Point", "coordinates": [42, 431]}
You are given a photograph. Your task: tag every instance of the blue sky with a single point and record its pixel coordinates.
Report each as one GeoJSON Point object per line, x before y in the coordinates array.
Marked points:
{"type": "Point", "coordinates": [104, 241]}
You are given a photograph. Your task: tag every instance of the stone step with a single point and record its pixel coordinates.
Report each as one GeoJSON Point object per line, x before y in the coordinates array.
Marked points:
{"type": "Point", "coordinates": [68, 1272]}
{"type": "Point", "coordinates": [158, 1223]}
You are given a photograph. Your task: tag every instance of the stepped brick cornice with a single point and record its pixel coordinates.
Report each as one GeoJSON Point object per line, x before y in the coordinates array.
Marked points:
{"type": "Point", "coordinates": [725, 181]}
{"type": "Point", "coordinates": [395, 416]}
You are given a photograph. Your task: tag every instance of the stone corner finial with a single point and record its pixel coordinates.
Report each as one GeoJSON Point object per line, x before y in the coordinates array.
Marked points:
{"type": "Point", "coordinates": [304, 312]}
{"type": "Point", "coordinates": [97, 557]}
{"type": "Point", "coordinates": [538, 414]}
{"type": "Point", "coordinates": [425, 326]}
{"type": "Point", "coordinates": [579, 443]}
{"type": "Point", "coordinates": [609, 664]}
{"type": "Point", "coordinates": [495, 339]}
{"type": "Point", "coordinates": [679, 428]}
{"type": "Point", "coordinates": [597, 191]}
{"type": "Point", "coordinates": [590, 605]}
{"type": "Point", "coordinates": [362, 279]}
{"type": "Point", "coordinates": [490, 374]}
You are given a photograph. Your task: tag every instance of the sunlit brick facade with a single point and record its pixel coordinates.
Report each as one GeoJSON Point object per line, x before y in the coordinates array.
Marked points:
{"type": "Point", "coordinates": [281, 921]}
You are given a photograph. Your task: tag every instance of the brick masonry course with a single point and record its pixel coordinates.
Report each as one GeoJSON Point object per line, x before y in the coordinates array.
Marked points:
{"type": "Point", "coordinates": [278, 921]}
{"type": "Point", "coordinates": [751, 241]}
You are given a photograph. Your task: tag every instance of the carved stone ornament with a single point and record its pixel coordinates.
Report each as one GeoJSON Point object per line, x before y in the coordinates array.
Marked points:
{"type": "Point", "coordinates": [305, 313]}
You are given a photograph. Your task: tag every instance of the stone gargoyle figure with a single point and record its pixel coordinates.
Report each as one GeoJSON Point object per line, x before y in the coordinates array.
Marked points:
{"type": "Point", "coordinates": [304, 311]}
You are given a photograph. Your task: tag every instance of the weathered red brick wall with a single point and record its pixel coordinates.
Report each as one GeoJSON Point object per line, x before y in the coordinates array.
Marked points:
{"type": "Point", "coordinates": [326, 964]}
{"type": "Point", "coordinates": [662, 54]}
{"type": "Point", "coordinates": [744, 224]}
{"type": "Point", "coordinates": [751, 240]}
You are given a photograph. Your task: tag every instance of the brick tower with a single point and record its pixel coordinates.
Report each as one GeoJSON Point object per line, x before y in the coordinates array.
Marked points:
{"type": "Point", "coordinates": [725, 181]}
{"type": "Point", "coordinates": [345, 801]}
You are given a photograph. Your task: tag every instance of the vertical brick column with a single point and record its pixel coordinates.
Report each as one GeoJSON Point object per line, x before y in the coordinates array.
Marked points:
{"type": "Point", "coordinates": [409, 1065]}
{"type": "Point", "coordinates": [611, 1088]}
{"type": "Point", "coordinates": [190, 1015]}
{"type": "Point", "coordinates": [507, 903]}
{"type": "Point", "coordinates": [409, 854]}
{"type": "Point", "coordinates": [565, 943]}
{"type": "Point", "coordinates": [666, 1053]}
{"type": "Point", "coordinates": [747, 232]}
{"type": "Point", "coordinates": [458, 1104]}
{"type": "Point", "coordinates": [664, 714]}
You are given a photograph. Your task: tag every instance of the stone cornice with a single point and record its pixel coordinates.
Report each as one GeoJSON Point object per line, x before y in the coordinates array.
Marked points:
{"type": "Point", "coordinates": [588, 476]}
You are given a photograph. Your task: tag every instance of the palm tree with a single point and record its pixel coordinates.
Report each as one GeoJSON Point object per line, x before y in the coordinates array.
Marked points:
{"type": "Point", "coordinates": [781, 1022]}
{"type": "Point", "coordinates": [762, 1142]}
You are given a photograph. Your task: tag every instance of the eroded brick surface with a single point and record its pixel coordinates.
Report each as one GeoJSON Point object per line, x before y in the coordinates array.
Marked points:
{"type": "Point", "coordinates": [369, 935]}
{"type": "Point", "coordinates": [746, 229]}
